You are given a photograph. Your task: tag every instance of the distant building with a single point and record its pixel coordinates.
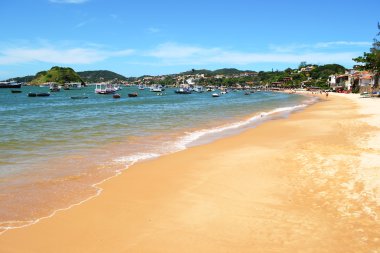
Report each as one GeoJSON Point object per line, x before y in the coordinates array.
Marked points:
{"type": "Point", "coordinates": [307, 69]}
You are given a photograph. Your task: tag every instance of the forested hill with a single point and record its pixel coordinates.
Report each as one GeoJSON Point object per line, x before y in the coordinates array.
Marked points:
{"type": "Point", "coordinates": [97, 76]}
{"type": "Point", "coordinates": [56, 74]}
{"type": "Point", "coordinates": [225, 71]}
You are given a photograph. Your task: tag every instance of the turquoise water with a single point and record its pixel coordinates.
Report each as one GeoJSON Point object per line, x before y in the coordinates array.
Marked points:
{"type": "Point", "coordinates": [54, 148]}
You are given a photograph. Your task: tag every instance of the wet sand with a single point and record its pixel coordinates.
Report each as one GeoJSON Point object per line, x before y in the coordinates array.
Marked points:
{"type": "Point", "coordinates": [309, 183]}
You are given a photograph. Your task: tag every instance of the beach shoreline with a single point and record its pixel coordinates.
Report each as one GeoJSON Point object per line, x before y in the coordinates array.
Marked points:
{"type": "Point", "coordinates": [287, 185]}
{"type": "Point", "coordinates": [75, 177]}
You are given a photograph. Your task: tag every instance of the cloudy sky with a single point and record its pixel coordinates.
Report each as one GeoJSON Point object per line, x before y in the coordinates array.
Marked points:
{"type": "Point", "coordinates": [137, 37]}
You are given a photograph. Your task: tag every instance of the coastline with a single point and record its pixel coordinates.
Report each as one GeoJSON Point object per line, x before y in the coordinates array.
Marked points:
{"type": "Point", "coordinates": [288, 184]}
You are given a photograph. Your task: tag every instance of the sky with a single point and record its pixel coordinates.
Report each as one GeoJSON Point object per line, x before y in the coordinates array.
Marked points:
{"type": "Point", "coordinates": [158, 37]}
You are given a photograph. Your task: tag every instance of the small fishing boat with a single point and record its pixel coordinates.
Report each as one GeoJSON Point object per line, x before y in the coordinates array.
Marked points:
{"type": "Point", "coordinates": [134, 94]}
{"type": "Point", "coordinates": [43, 94]}
{"type": "Point", "coordinates": [54, 87]}
{"type": "Point", "coordinates": [16, 91]}
{"type": "Point", "coordinates": [78, 97]}
{"type": "Point", "coordinates": [215, 95]}
{"type": "Point", "coordinates": [183, 91]}
{"type": "Point", "coordinates": [116, 95]}
{"type": "Point", "coordinates": [365, 95]}
{"type": "Point", "coordinates": [156, 88]}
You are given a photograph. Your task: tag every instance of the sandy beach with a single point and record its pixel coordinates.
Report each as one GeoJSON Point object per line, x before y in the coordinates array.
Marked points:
{"type": "Point", "coordinates": [307, 183]}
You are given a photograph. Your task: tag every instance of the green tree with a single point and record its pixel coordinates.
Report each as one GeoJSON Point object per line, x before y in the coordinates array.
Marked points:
{"type": "Point", "coordinates": [371, 61]}
{"type": "Point", "coordinates": [302, 65]}
{"type": "Point", "coordinates": [288, 71]}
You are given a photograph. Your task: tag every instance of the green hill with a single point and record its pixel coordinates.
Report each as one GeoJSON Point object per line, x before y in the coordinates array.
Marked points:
{"type": "Point", "coordinates": [225, 71]}
{"type": "Point", "coordinates": [97, 76]}
{"type": "Point", "coordinates": [56, 74]}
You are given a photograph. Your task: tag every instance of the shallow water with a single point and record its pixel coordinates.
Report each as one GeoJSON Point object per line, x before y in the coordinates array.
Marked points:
{"type": "Point", "coordinates": [53, 149]}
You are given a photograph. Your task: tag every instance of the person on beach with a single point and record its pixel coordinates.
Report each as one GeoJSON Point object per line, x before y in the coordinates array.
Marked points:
{"type": "Point", "coordinates": [327, 94]}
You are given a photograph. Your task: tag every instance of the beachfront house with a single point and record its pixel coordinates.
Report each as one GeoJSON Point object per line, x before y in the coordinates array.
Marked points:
{"type": "Point", "coordinates": [366, 82]}
{"type": "Point", "coordinates": [344, 82]}
{"type": "Point", "coordinates": [332, 82]}
{"type": "Point", "coordinates": [362, 81]}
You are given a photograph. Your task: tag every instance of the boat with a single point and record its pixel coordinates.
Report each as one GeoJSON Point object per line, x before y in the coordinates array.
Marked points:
{"type": "Point", "coordinates": [156, 88]}
{"type": "Point", "coordinates": [78, 97]}
{"type": "Point", "coordinates": [10, 84]}
{"type": "Point", "coordinates": [247, 93]}
{"type": "Point", "coordinates": [134, 94]}
{"type": "Point", "coordinates": [73, 86]}
{"type": "Point", "coordinates": [104, 88]}
{"type": "Point", "coordinates": [117, 87]}
{"type": "Point", "coordinates": [183, 91]}
{"type": "Point", "coordinates": [42, 94]}
{"type": "Point", "coordinates": [16, 91]}
{"type": "Point", "coordinates": [54, 87]}
{"type": "Point", "coordinates": [183, 88]}
{"type": "Point", "coordinates": [365, 95]}
{"type": "Point", "coordinates": [215, 95]}
{"type": "Point", "coordinates": [116, 95]}
{"type": "Point", "coordinates": [141, 87]}
{"type": "Point", "coordinates": [198, 89]}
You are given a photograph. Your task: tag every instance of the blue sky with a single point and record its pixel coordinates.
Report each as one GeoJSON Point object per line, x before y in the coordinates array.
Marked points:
{"type": "Point", "coordinates": [137, 37]}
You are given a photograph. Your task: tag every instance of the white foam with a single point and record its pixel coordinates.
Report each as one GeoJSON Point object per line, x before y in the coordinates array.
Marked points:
{"type": "Point", "coordinates": [132, 159]}
{"type": "Point", "coordinates": [191, 137]}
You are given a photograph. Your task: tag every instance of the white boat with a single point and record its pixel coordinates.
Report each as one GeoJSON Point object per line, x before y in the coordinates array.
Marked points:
{"type": "Point", "coordinates": [198, 89]}
{"type": "Point", "coordinates": [156, 88]}
{"type": "Point", "coordinates": [215, 95]}
{"type": "Point", "coordinates": [183, 91]}
{"type": "Point", "coordinates": [72, 86]}
{"type": "Point", "coordinates": [54, 87]}
{"type": "Point", "coordinates": [117, 87]}
{"type": "Point", "coordinates": [104, 88]}
{"type": "Point", "coordinates": [141, 87]}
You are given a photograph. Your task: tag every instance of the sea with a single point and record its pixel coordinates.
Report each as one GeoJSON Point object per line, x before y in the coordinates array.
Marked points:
{"type": "Point", "coordinates": [56, 150]}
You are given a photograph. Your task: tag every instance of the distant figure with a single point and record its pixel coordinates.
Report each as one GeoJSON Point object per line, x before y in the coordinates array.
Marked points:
{"type": "Point", "coordinates": [327, 94]}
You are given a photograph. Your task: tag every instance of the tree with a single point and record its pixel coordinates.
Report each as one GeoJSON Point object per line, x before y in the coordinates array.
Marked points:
{"type": "Point", "coordinates": [302, 65]}
{"type": "Point", "coordinates": [371, 61]}
{"type": "Point", "coordinates": [288, 71]}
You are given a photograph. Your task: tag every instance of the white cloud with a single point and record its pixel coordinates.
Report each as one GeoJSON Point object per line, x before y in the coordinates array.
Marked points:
{"type": "Point", "coordinates": [167, 54]}
{"type": "Point", "coordinates": [154, 30]}
{"type": "Point", "coordinates": [176, 51]}
{"type": "Point", "coordinates": [81, 24]}
{"type": "Point", "coordinates": [343, 43]}
{"type": "Point", "coordinates": [68, 1]}
{"type": "Point", "coordinates": [176, 54]}
{"type": "Point", "coordinates": [319, 45]}
{"type": "Point", "coordinates": [54, 55]}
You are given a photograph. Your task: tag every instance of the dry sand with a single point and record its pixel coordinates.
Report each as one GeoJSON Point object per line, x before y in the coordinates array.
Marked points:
{"type": "Point", "coordinates": [308, 183]}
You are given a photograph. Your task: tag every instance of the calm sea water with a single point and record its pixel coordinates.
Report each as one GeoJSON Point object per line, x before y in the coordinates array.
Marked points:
{"type": "Point", "coordinates": [55, 149]}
